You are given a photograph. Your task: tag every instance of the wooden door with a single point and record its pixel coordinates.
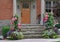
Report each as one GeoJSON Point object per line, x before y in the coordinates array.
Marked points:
{"type": "Point", "coordinates": [25, 14]}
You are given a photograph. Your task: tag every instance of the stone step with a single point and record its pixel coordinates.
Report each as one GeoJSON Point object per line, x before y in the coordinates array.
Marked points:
{"type": "Point", "coordinates": [36, 30]}
{"type": "Point", "coordinates": [33, 28]}
{"type": "Point", "coordinates": [30, 33]}
{"type": "Point", "coordinates": [32, 36]}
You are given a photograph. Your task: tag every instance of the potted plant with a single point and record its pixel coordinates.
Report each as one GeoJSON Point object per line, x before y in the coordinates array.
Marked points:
{"type": "Point", "coordinates": [5, 29]}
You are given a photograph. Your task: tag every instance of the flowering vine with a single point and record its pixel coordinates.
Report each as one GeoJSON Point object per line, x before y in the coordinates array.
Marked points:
{"type": "Point", "coordinates": [14, 22]}
{"type": "Point", "coordinates": [45, 17]}
{"type": "Point", "coordinates": [48, 20]}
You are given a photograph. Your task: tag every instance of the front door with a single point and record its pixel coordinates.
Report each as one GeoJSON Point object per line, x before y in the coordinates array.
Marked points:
{"type": "Point", "coordinates": [25, 13]}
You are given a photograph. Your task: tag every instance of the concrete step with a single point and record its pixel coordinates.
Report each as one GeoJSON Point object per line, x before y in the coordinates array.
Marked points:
{"type": "Point", "coordinates": [32, 28]}
{"type": "Point", "coordinates": [36, 30]}
{"type": "Point", "coordinates": [30, 33]}
{"type": "Point", "coordinates": [32, 36]}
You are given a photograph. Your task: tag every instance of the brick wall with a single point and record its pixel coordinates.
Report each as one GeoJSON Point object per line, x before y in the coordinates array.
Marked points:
{"type": "Point", "coordinates": [38, 3]}
{"type": "Point", "coordinates": [6, 9]}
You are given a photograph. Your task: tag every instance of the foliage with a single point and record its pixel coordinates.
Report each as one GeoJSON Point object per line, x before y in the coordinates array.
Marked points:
{"type": "Point", "coordinates": [15, 22]}
{"type": "Point", "coordinates": [49, 34]}
{"type": "Point", "coordinates": [16, 35]}
{"type": "Point", "coordinates": [50, 21]}
{"type": "Point", "coordinates": [57, 26]}
{"type": "Point", "coordinates": [5, 29]}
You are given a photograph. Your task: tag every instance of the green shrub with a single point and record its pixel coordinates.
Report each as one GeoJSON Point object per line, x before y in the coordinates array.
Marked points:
{"type": "Point", "coordinates": [16, 22]}
{"type": "Point", "coordinates": [58, 26]}
{"type": "Point", "coordinates": [50, 21]}
{"type": "Point", "coordinates": [49, 34]}
{"type": "Point", "coordinates": [5, 29]}
{"type": "Point", "coordinates": [16, 35]}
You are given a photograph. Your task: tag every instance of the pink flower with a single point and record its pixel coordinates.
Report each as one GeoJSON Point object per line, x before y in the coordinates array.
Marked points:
{"type": "Point", "coordinates": [19, 25]}
{"type": "Point", "coordinates": [11, 23]}
{"type": "Point", "coordinates": [46, 18]}
{"type": "Point", "coordinates": [14, 18]}
{"type": "Point", "coordinates": [46, 15]}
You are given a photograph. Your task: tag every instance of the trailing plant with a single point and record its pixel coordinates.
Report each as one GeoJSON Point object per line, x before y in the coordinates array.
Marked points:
{"type": "Point", "coordinates": [16, 35]}
{"type": "Point", "coordinates": [49, 34]}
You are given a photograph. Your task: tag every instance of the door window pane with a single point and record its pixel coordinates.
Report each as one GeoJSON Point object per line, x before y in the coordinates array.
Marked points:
{"type": "Point", "coordinates": [25, 5]}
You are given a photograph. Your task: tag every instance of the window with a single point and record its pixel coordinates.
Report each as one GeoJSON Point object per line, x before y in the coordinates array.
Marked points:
{"type": "Point", "coordinates": [53, 6]}
{"type": "Point", "coordinates": [25, 5]}
{"type": "Point", "coordinates": [48, 6]}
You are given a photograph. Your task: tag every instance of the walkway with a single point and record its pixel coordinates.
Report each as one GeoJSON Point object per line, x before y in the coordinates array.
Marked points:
{"type": "Point", "coordinates": [31, 40]}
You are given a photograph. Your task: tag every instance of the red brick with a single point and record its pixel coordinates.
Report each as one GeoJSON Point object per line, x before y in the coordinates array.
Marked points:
{"type": "Point", "coordinates": [38, 3]}
{"type": "Point", "coordinates": [6, 9]}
